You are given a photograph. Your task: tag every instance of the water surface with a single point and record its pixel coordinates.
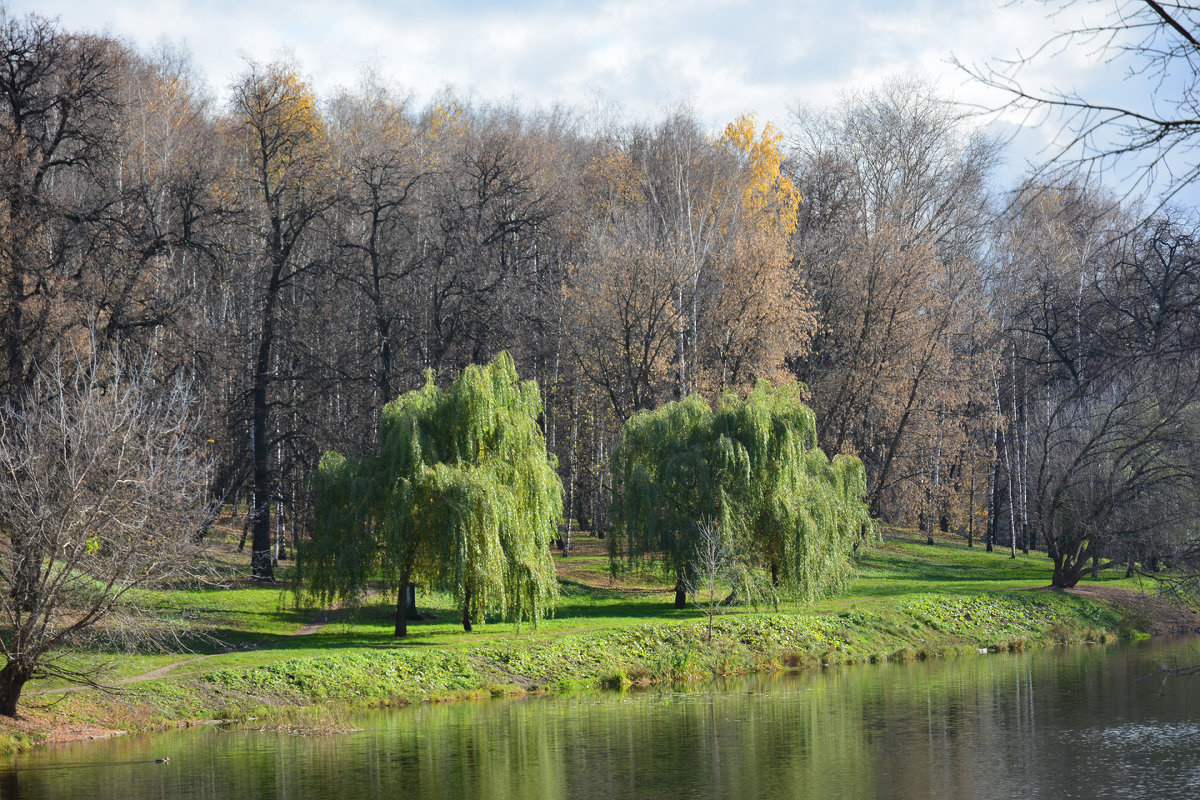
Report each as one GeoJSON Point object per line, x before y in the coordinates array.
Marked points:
{"type": "Point", "coordinates": [1072, 723]}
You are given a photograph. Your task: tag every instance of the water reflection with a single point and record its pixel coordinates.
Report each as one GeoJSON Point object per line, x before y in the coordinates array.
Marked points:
{"type": "Point", "coordinates": [1062, 724]}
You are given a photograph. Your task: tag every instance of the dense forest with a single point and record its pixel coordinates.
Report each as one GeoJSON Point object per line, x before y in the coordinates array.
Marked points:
{"type": "Point", "coordinates": [1014, 363]}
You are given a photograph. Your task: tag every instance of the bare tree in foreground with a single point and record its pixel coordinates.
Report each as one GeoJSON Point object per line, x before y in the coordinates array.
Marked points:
{"type": "Point", "coordinates": [102, 491]}
{"type": "Point", "coordinates": [1158, 46]}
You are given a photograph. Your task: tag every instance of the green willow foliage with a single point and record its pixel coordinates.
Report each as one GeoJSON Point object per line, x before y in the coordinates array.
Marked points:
{"type": "Point", "coordinates": [461, 493]}
{"type": "Point", "coordinates": [753, 468]}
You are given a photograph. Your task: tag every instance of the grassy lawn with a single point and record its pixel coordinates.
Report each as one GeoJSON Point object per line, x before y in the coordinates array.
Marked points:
{"type": "Point", "coordinates": [904, 564]}
{"type": "Point", "coordinates": [241, 624]}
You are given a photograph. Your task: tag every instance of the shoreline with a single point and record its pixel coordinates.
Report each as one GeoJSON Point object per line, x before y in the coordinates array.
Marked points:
{"type": "Point", "coordinates": [911, 627]}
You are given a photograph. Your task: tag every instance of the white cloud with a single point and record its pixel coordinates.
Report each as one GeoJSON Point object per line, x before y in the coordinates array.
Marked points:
{"type": "Point", "coordinates": [731, 56]}
{"type": "Point", "coordinates": [728, 57]}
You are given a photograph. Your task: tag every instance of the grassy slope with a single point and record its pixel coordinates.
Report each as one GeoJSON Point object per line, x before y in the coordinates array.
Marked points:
{"type": "Point", "coordinates": [908, 601]}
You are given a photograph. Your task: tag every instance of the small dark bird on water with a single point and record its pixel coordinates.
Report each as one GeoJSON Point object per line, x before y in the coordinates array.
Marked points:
{"type": "Point", "coordinates": [161, 760]}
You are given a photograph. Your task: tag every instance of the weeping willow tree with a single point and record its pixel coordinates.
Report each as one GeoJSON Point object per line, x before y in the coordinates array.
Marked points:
{"type": "Point", "coordinates": [754, 469]}
{"type": "Point", "coordinates": [461, 493]}
{"type": "Point", "coordinates": [664, 487]}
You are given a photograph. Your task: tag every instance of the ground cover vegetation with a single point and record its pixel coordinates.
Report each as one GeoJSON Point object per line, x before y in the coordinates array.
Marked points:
{"type": "Point", "coordinates": [1016, 367]}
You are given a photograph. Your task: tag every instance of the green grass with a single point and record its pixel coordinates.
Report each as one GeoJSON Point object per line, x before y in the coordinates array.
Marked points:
{"type": "Point", "coordinates": [591, 600]}
{"type": "Point", "coordinates": [908, 600]}
{"type": "Point", "coordinates": [903, 565]}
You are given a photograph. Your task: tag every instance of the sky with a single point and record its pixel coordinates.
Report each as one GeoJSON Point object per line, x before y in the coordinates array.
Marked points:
{"type": "Point", "coordinates": [628, 59]}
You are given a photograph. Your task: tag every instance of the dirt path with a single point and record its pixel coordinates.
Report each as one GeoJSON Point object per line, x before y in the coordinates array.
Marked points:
{"type": "Point", "coordinates": [318, 621]}
{"type": "Point", "coordinates": [1163, 616]}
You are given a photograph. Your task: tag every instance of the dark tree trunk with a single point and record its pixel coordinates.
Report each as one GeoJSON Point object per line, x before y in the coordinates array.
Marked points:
{"type": "Point", "coordinates": [405, 606]}
{"type": "Point", "coordinates": [680, 594]}
{"type": "Point", "coordinates": [260, 523]}
{"type": "Point", "coordinates": [385, 365]}
{"type": "Point", "coordinates": [412, 602]}
{"type": "Point", "coordinates": [261, 567]}
{"type": "Point", "coordinates": [994, 490]}
{"type": "Point", "coordinates": [401, 612]}
{"type": "Point", "coordinates": [12, 680]}
{"type": "Point", "coordinates": [466, 619]}
{"type": "Point", "coordinates": [13, 322]}
{"type": "Point", "coordinates": [971, 511]}
{"type": "Point", "coordinates": [1066, 575]}
{"type": "Point", "coordinates": [1068, 567]}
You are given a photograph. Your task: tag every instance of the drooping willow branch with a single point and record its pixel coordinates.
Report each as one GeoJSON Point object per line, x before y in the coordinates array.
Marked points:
{"type": "Point", "coordinates": [461, 493]}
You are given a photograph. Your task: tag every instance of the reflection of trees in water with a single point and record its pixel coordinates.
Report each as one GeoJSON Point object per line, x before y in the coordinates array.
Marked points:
{"type": "Point", "coordinates": [1053, 723]}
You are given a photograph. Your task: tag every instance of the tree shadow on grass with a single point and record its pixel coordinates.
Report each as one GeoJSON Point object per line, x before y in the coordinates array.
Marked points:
{"type": "Point", "coordinates": [879, 568]}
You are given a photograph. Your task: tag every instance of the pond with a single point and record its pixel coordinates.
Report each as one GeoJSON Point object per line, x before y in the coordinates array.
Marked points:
{"type": "Point", "coordinates": [1064, 723]}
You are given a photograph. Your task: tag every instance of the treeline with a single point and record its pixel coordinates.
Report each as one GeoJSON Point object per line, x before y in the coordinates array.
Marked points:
{"type": "Point", "coordinates": [1002, 362]}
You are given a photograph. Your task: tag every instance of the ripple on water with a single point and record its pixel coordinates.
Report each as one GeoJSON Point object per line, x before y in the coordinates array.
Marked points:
{"type": "Point", "coordinates": [1141, 759]}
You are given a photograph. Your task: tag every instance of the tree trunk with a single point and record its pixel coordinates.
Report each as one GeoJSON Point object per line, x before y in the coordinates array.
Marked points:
{"type": "Point", "coordinates": [13, 322]}
{"type": "Point", "coordinates": [466, 619]}
{"type": "Point", "coordinates": [573, 472]}
{"type": "Point", "coordinates": [680, 593]}
{"type": "Point", "coordinates": [604, 502]}
{"type": "Point", "coordinates": [1066, 574]}
{"type": "Point", "coordinates": [934, 517]}
{"type": "Point", "coordinates": [1069, 567]}
{"type": "Point", "coordinates": [405, 606]}
{"type": "Point", "coordinates": [1012, 510]}
{"type": "Point", "coordinates": [401, 611]}
{"type": "Point", "coordinates": [971, 509]}
{"type": "Point", "coordinates": [412, 602]}
{"type": "Point", "coordinates": [12, 680]}
{"type": "Point", "coordinates": [994, 473]}
{"type": "Point", "coordinates": [261, 567]}
{"type": "Point", "coordinates": [383, 379]}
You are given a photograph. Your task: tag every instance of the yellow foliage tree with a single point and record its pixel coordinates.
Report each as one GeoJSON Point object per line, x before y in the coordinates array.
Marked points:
{"type": "Point", "coordinates": [769, 199]}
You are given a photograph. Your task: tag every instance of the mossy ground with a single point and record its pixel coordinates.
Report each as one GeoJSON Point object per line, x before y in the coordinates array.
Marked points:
{"type": "Point", "coordinates": [908, 601]}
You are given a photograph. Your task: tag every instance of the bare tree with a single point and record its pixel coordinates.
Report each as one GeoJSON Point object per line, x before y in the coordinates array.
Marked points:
{"type": "Point", "coordinates": [102, 490]}
{"type": "Point", "coordinates": [1113, 391]}
{"type": "Point", "coordinates": [379, 143]}
{"type": "Point", "coordinates": [1158, 45]}
{"type": "Point", "coordinates": [58, 99]}
{"type": "Point", "coordinates": [889, 244]}
{"type": "Point", "coordinates": [625, 319]}
{"type": "Point", "coordinates": [1113, 469]}
{"type": "Point", "coordinates": [720, 564]}
{"type": "Point", "coordinates": [285, 178]}
{"type": "Point", "coordinates": [714, 562]}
